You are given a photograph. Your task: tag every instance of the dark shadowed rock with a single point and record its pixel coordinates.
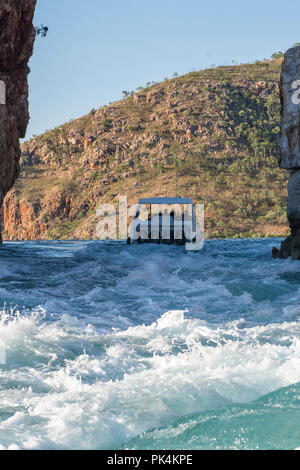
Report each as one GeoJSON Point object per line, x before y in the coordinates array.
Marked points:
{"type": "Point", "coordinates": [289, 148]}
{"type": "Point", "coordinates": [17, 36]}
{"type": "Point", "coordinates": [289, 137]}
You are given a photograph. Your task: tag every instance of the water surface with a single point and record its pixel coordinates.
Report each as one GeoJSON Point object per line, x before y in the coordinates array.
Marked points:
{"type": "Point", "coordinates": [114, 346]}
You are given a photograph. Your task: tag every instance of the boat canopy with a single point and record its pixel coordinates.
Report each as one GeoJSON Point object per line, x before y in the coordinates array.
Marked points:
{"type": "Point", "coordinates": [165, 200]}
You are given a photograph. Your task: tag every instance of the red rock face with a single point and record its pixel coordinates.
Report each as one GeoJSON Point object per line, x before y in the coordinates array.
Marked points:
{"type": "Point", "coordinates": [17, 36]}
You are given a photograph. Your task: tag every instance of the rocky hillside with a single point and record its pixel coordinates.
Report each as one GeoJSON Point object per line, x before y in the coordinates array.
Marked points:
{"type": "Point", "coordinates": [212, 131]}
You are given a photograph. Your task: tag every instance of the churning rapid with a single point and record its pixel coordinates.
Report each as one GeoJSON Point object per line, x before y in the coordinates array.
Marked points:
{"type": "Point", "coordinates": [113, 346]}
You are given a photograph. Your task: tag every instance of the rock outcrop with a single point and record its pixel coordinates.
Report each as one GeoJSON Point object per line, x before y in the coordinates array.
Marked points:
{"type": "Point", "coordinates": [17, 36]}
{"type": "Point", "coordinates": [289, 148]}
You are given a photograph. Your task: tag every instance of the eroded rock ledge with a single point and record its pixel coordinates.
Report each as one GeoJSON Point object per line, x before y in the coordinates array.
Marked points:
{"type": "Point", "coordinates": [17, 36]}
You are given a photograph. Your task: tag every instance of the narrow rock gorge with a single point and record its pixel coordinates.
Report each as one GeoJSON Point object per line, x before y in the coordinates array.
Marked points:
{"type": "Point", "coordinates": [17, 36]}
{"type": "Point", "coordinates": [214, 131]}
{"type": "Point", "coordinates": [289, 148]}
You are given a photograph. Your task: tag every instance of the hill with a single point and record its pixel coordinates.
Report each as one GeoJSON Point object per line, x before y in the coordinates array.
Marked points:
{"type": "Point", "coordinates": [213, 131]}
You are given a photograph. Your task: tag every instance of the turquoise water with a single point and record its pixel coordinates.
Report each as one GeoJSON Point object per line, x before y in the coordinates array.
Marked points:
{"type": "Point", "coordinates": [147, 347]}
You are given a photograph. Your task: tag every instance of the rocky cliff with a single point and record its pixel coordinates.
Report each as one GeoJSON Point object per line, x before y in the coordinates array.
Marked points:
{"type": "Point", "coordinates": [289, 148]}
{"type": "Point", "coordinates": [214, 131]}
{"type": "Point", "coordinates": [16, 43]}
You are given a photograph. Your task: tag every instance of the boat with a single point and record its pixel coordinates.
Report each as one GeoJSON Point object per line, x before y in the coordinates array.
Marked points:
{"type": "Point", "coordinates": [167, 220]}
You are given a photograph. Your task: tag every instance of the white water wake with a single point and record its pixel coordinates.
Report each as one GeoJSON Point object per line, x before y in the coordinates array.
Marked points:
{"type": "Point", "coordinates": [66, 385]}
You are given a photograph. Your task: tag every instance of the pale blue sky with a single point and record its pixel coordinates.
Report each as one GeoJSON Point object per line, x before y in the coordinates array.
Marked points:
{"type": "Point", "coordinates": [96, 48]}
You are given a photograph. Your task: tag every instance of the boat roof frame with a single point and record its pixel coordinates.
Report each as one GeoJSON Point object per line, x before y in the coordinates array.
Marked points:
{"type": "Point", "coordinates": [165, 200]}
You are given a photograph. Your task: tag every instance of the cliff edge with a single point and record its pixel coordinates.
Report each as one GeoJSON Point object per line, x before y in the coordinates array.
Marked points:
{"type": "Point", "coordinates": [17, 36]}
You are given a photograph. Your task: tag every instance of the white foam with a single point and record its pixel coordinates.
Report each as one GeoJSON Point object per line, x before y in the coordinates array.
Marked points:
{"type": "Point", "coordinates": [72, 387]}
